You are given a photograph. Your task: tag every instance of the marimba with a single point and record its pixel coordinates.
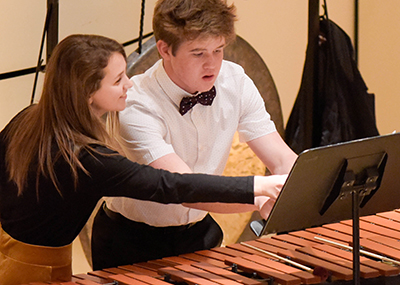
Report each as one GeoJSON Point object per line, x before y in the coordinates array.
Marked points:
{"type": "Point", "coordinates": [239, 264]}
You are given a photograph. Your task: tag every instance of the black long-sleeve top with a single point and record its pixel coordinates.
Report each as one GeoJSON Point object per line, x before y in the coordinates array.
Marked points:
{"type": "Point", "coordinates": [45, 217]}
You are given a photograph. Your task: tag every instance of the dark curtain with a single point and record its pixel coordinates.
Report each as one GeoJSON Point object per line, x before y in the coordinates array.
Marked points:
{"type": "Point", "coordinates": [333, 104]}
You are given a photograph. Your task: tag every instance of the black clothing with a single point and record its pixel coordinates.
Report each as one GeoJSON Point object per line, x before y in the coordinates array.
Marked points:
{"type": "Point", "coordinates": [121, 248]}
{"type": "Point", "coordinates": [49, 219]}
{"type": "Point", "coordinates": [333, 104]}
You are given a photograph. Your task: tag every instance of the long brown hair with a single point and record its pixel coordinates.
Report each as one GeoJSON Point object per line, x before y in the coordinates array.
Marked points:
{"type": "Point", "coordinates": [62, 123]}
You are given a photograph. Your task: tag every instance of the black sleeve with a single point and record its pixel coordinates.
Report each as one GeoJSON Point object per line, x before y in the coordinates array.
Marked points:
{"type": "Point", "coordinates": [116, 175]}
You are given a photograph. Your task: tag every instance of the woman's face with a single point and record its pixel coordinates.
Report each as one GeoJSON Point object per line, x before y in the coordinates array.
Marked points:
{"type": "Point", "coordinates": [112, 93]}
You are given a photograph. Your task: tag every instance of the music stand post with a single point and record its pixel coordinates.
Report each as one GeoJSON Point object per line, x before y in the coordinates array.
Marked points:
{"type": "Point", "coordinates": [361, 187]}
{"type": "Point", "coordinates": [323, 178]}
{"type": "Point", "coordinates": [356, 237]}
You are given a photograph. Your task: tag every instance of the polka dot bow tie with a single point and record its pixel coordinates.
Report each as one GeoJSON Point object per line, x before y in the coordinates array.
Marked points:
{"type": "Point", "coordinates": [205, 98]}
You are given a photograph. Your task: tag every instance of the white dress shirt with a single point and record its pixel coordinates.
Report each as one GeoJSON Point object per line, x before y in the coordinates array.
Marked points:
{"type": "Point", "coordinates": [153, 127]}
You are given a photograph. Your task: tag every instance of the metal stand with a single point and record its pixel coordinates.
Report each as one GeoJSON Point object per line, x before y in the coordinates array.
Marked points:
{"type": "Point", "coordinates": [50, 31]}
{"type": "Point", "coordinates": [361, 190]}
{"type": "Point", "coordinates": [326, 177]}
{"type": "Point", "coordinates": [356, 237]}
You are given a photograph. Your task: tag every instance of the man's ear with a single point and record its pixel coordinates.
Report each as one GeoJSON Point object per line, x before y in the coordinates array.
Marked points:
{"type": "Point", "coordinates": [163, 49]}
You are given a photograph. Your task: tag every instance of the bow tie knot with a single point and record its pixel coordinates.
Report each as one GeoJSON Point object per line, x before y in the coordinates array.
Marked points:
{"type": "Point", "coordinates": [204, 98]}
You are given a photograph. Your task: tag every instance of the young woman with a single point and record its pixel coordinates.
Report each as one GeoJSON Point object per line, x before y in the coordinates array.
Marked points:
{"type": "Point", "coordinates": [58, 158]}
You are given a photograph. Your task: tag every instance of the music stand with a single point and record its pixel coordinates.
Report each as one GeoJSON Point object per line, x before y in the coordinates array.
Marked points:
{"type": "Point", "coordinates": [338, 182]}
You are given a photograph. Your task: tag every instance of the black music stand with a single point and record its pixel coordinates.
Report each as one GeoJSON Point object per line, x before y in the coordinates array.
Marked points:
{"type": "Point", "coordinates": [338, 182]}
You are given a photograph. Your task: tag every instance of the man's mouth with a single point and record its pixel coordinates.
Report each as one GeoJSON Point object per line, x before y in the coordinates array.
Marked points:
{"type": "Point", "coordinates": [208, 77]}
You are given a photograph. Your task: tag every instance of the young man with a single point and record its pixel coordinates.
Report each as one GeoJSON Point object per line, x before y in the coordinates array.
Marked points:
{"type": "Point", "coordinates": [184, 136]}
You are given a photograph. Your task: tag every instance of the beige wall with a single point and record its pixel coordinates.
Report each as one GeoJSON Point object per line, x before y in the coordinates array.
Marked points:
{"type": "Point", "coordinates": [21, 26]}
{"type": "Point", "coordinates": [380, 60]}
{"type": "Point", "coordinates": [276, 29]}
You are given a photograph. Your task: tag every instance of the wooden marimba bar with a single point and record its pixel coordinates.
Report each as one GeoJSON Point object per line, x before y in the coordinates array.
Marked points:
{"type": "Point", "coordinates": [238, 264]}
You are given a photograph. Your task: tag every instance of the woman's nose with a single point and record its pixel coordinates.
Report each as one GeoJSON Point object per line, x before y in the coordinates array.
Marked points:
{"type": "Point", "coordinates": [128, 82]}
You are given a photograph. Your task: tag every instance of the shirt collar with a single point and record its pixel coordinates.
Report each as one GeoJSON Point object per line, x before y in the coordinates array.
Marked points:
{"type": "Point", "coordinates": [173, 91]}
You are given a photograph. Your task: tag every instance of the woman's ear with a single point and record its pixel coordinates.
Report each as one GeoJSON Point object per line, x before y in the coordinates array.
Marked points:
{"type": "Point", "coordinates": [90, 101]}
{"type": "Point", "coordinates": [163, 49]}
